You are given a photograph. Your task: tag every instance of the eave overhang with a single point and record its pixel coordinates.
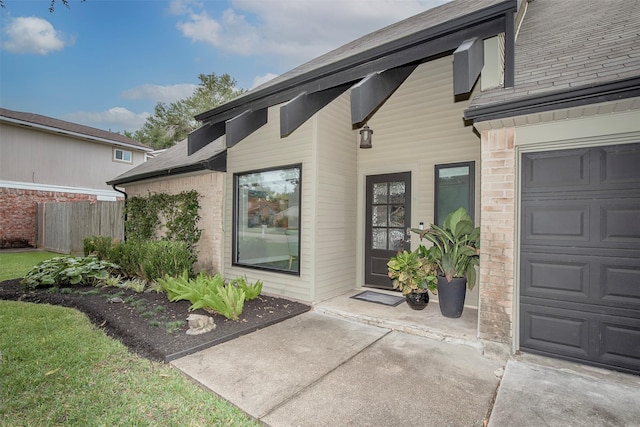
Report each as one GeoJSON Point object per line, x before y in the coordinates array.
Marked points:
{"type": "Point", "coordinates": [217, 163]}
{"type": "Point", "coordinates": [417, 47]}
{"type": "Point", "coordinates": [593, 94]}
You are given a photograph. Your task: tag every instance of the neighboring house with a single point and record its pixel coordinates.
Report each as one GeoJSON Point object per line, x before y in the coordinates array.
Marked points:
{"type": "Point", "coordinates": [43, 159]}
{"type": "Point", "coordinates": [526, 113]}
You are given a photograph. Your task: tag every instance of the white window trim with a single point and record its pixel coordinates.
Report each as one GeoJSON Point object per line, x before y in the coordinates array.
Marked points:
{"type": "Point", "coordinates": [115, 159]}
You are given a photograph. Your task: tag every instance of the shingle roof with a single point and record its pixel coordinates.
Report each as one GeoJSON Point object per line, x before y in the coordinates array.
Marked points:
{"type": "Point", "coordinates": [50, 122]}
{"type": "Point", "coordinates": [570, 44]}
{"type": "Point", "coordinates": [173, 160]}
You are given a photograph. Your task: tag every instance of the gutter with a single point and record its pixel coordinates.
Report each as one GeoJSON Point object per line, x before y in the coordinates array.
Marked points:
{"type": "Point", "coordinates": [216, 163]}
{"type": "Point", "coordinates": [593, 94]}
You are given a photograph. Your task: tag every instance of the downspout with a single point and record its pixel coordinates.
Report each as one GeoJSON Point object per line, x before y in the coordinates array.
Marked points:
{"type": "Point", "coordinates": [125, 209]}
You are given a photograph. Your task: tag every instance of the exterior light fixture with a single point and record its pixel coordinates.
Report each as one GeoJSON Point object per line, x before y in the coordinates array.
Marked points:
{"type": "Point", "coordinates": [365, 137]}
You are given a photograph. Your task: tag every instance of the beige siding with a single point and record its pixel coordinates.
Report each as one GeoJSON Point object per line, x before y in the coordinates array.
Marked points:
{"type": "Point", "coordinates": [265, 149]}
{"type": "Point", "coordinates": [33, 156]}
{"type": "Point", "coordinates": [418, 127]}
{"type": "Point", "coordinates": [210, 186]}
{"type": "Point", "coordinates": [336, 210]}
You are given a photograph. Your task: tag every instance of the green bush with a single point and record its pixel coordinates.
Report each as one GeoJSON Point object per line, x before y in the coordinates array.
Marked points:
{"type": "Point", "coordinates": [211, 293]}
{"type": "Point", "coordinates": [61, 271]}
{"type": "Point", "coordinates": [98, 246]}
{"type": "Point", "coordinates": [251, 290]}
{"type": "Point", "coordinates": [151, 260]}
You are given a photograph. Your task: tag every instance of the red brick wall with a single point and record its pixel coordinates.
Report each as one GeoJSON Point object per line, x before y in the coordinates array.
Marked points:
{"type": "Point", "coordinates": [497, 237]}
{"type": "Point", "coordinates": [18, 208]}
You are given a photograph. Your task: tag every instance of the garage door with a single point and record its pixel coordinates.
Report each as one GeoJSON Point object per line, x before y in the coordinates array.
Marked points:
{"type": "Point", "coordinates": [580, 255]}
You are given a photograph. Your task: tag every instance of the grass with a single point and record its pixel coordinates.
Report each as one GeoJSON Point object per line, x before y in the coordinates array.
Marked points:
{"type": "Point", "coordinates": [57, 368]}
{"type": "Point", "coordinates": [16, 265]}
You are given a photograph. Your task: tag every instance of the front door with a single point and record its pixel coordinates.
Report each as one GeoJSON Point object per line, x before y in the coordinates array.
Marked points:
{"type": "Point", "coordinates": [388, 218]}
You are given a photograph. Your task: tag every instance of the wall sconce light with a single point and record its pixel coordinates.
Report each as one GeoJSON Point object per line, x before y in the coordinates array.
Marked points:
{"type": "Point", "coordinates": [365, 137]}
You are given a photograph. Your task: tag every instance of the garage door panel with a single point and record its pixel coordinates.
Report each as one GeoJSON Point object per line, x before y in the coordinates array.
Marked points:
{"type": "Point", "coordinates": [620, 343]}
{"type": "Point", "coordinates": [555, 330]}
{"type": "Point", "coordinates": [557, 220]}
{"type": "Point", "coordinates": [580, 255]}
{"type": "Point", "coordinates": [567, 171]}
{"type": "Point", "coordinates": [619, 166]}
{"type": "Point", "coordinates": [554, 277]}
{"type": "Point", "coordinates": [620, 283]}
{"type": "Point", "coordinates": [620, 223]}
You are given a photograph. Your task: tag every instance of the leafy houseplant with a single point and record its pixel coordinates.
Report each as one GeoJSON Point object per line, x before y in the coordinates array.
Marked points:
{"type": "Point", "coordinates": [413, 273]}
{"type": "Point", "coordinates": [455, 251]}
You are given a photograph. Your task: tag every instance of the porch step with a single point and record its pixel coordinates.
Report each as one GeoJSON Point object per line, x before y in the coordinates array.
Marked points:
{"type": "Point", "coordinates": [428, 323]}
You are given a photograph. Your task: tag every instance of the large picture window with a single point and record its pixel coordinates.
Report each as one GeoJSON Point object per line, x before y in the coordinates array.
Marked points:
{"type": "Point", "coordinates": [267, 219]}
{"type": "Point", "coordinates": [455, 188]}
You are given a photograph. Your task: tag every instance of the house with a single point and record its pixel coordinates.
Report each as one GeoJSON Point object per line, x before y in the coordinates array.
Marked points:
{"type": "Point", "coordinates": [525, 113]}
{"type": "Point", "coordinates": [43, 159]}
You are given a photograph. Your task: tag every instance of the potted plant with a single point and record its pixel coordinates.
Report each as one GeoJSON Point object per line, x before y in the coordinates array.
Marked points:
{"type": "Point", "coordinates": [455, 251]}
{"type": "Point", "coordinates": [413, 274]}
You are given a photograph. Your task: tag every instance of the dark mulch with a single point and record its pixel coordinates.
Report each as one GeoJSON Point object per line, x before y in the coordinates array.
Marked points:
{"type": "Point", "coordinates": [147, 323]}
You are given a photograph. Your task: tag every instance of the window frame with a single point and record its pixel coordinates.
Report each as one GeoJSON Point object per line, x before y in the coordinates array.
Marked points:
{"type": "Point", "coordinates": [472, 187]}
{"type": "Point", "coordinates": [123, 151]}
{"type": "Point", "coordinates": [235, 222]}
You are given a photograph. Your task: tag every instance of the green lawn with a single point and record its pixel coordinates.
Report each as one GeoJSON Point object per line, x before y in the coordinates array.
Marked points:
{"type": "Point", "coordinates": [56, 368]}
{"type": "Point", "coordinates": [16, 265]}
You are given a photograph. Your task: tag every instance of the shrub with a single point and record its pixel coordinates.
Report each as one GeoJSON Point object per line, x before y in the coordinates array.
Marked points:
{"type": "Point", "coordinates": [69, 271]}
{"type": "Point", "coordinates": [98, 246]}
{"type": "Point", "coordinates": [152, 260]}
{"type": "Point", "coordinates": [211, 293]}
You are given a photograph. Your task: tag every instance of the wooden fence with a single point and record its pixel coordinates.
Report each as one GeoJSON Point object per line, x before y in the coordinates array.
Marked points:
{"type": "Point", "coordinates": [62, 227]}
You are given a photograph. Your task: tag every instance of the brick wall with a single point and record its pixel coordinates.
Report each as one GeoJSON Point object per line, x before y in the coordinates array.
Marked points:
{"type": "Point", "coordinates": [210, 186]}
{"type": "Point", "coordinates": [18, 208]}
{"type": "Point", "coordinates": [497, 229]}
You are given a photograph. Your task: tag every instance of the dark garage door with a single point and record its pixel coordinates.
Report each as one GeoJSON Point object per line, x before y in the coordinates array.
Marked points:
{"type": "Point", "coordinates": [580, 255]}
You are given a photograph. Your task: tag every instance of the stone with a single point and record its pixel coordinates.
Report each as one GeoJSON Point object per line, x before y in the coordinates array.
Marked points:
{"type": "Point", "coordinates": [199, 324]}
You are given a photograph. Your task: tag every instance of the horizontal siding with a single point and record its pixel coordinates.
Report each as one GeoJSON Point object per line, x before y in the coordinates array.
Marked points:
{"type": "Point", "coordinates": [265, 149]}
{"type": "Point", "coordinates": [419, 127]}
{"type": "Point", "coordinates": [336, 210]}
{"type": "Point", "coordinates": [33, 156]}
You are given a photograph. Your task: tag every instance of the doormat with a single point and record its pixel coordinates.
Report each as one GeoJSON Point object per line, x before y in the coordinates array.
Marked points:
{"type": "Point", "coordinates": [379, 298]}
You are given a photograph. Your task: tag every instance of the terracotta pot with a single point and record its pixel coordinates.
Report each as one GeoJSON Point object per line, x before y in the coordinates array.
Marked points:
{"type": "Point", "coordinates": [417, 300]}
{"type": "Point", "coordinates": [451, 296]}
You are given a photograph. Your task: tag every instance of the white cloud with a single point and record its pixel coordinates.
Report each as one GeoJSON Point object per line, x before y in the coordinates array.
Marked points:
{"type": "Point", "coordinates": [33, 35]}
{"type": "Point", "coordinates": [157, 93]}
{"type": "Point", "coordinates": [115, 119]}
{"type": "Point", "coordinates": [291, 29]}
{"type": "Point", "coordinates": [258, 80]}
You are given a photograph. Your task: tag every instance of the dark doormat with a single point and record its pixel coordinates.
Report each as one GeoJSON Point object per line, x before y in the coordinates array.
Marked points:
{"type": "Point", "coordinates": [379, 298]}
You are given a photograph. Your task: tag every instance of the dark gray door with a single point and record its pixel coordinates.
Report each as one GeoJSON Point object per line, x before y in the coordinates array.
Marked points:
{"type": "Point", "coordinates": [580, 255]}
{"type": "Point", "coordinates": [388, 216]}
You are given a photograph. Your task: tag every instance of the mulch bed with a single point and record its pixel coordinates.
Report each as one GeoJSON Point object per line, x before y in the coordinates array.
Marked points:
{"type": "Point", "coordinates": [147, 323]}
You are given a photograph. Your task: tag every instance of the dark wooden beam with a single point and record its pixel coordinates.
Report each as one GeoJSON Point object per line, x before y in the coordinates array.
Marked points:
{"type": "Point", "coordinates": [468, 61]}
{"type": "Point", "coordinates": [297, 111]}
{"type": "Point", "coordinates": [244, 124]}
{"type": "Point", "coordinates": [203, 136]}
{"type": "Point", "coordinates": [509, 49]}
{"type": "Point", "coordinates": [373, 90]}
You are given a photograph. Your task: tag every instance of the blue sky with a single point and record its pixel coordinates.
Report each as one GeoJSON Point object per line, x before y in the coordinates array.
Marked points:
{"type": "Point", "coordinates": [106, 63]}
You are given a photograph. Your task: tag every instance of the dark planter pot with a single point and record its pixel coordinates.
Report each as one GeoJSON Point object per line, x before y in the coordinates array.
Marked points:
{"type": "Point", "coordinates": [417, 301]}
{"type": "Point", "coordinates": [451, 296]}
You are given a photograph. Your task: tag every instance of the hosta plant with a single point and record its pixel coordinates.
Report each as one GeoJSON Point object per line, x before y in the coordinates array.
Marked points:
{"type": "Point", "coordinates": [61, 271]}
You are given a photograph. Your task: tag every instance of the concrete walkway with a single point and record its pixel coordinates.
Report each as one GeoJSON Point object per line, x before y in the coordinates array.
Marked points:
{"type": "Point", "coordinates": [319, 370]}
{"type": "Point", "coordinates": [349, 364]}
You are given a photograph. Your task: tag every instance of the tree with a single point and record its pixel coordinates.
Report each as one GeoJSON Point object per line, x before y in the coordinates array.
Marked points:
{"type": "Point", "coordinates": [173, 122]}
